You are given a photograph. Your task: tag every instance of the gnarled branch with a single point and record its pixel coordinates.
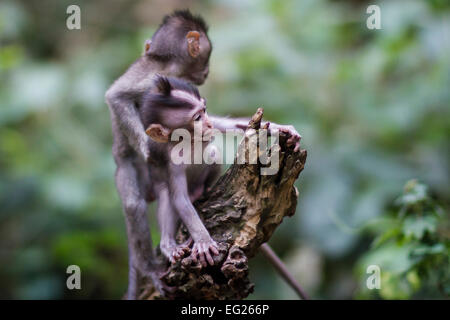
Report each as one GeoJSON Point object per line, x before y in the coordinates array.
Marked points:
{"type": "Point", "coordinates": [241, 212]}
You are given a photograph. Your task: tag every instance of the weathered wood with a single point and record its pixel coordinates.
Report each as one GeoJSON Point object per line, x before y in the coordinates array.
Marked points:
{"type": "Point", "coordinates": [241, 212]}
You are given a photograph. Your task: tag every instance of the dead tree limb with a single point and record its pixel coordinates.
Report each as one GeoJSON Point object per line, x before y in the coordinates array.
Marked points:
{"type": "Point", "coordinates": [241, 212]}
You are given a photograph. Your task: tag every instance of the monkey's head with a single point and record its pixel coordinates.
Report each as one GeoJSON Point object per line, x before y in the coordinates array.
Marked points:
{"type": "Point", "coordinates": [174, 104]}
{"type": "Point", "coordinates": [182, 41]}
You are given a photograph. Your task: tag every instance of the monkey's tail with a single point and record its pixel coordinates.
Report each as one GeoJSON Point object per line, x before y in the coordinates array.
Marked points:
{"type": "Point", "coordinates": [267, 251]}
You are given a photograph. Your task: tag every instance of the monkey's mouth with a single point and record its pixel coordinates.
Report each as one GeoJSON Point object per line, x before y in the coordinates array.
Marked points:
{"type": "Point", "coordinates": [199, 78]}
{"type": "Point", "coordinates": [206, 136]}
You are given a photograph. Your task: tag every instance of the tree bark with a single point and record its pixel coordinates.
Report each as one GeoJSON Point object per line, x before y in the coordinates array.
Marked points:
{"type": "Point", "coordinates": [241, 212]}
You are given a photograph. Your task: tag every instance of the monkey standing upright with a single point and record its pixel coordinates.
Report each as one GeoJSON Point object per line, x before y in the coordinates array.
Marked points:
{"type": "Point", "coordinates": [179, 48]}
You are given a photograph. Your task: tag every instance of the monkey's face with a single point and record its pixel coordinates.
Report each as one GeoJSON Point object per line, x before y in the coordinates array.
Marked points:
{"type": "Point", "coordinates": [175, 104]}
{"type": "Point", "coordinates": [201, 119]}
{"type": "Point", "coordinates": [194, 118]}
{"type": "Point", "coordinates": [199, 77]}
{"type": "Point", "coordinates": [188, 52]}
{"type": "Point", "coordinates": [190, 116]}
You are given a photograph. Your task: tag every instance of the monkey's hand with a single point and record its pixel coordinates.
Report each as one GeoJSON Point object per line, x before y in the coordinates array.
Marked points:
{"type": "Point", "coordinates": [202, 251]}
{"type": "Point", "coordinates": [293, 136]}
{"type": "Point", "coordinates": [175, 252]}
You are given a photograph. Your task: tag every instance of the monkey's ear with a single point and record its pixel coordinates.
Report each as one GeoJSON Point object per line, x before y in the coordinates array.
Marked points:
{"type": "Point", "coordinates": [158, 133]}
{"type": "Point", "coordinates": [193, 39]}
{"type": "Point", "coordinates": [147, 46]}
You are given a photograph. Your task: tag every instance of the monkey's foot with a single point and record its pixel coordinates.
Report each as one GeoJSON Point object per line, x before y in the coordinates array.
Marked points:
{"type": "Point", "coordinates": [175, 252]}
{"type": "Point", "coordinates": [202, 251]}
{"type": "Point", "coordinates": [158, 283]}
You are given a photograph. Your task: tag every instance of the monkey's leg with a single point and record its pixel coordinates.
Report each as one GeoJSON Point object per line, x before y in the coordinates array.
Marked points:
{"type": "Point", "coordinates": [204, 246]}
{"type": "Point", "coordinates": [211, 173]}
{"type": "Point", "coordinates": [139, 240]}
{"type": "Point", "coordinates": [133, 279]}
{"type": "Point", "coordinates": [214, 171]}
{"type": "Point", "coordinates": [168, 224]}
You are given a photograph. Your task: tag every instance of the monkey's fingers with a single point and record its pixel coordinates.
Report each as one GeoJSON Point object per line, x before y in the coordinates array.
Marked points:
{"type": "Point", "coordinates": [209, 258]}
{"type": "Point", "coordinates": [175, 256]}
{"type": "Point", "coordinates": [188, 242]}
{"type": "Point", "coordinates": [207, 254]}
{"type": "Point", "coordinates": [293, 136]}
{"type": "Point", "coordinates": [198, 255]}
{"type": "Point", "coordinates": [202, 259]}
{"type": "Point", "coordinates": [214, 249]}
{"type": "Point", "coordinates": [286, 133]}
{"type": "Point", "coordinates": [294, 140]}
{"type": "Point", "coordinates": [194, 254]}
{"type": "Point", "coordinates": [184, 250]}
{"type": "Point", "coordinates": [181, 251]}
{"type": "Point", "coordinates": [160, 285]}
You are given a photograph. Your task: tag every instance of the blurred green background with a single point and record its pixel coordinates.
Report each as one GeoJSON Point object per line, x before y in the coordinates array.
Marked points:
{"type": "Point", "coordinates": [372, 107]}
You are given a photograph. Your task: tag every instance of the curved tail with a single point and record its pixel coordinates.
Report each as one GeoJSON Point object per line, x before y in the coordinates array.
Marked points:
{"type": "Point", "coordinates": [267, 251]}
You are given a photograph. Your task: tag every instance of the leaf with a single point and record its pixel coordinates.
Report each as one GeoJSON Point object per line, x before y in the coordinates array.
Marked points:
{"type": "Point", "coordinates": [414, 193]}
{"type": "Point", "coordinates": [417, 227]}
{"type": "Point", "coordinates": [413, 279]}
{"type": "Point", "coordinates": [389, 234]}
{"type": "Point", "coordinates": [390, 257]}
{"type": "Point", "coordinates": [424, 249]}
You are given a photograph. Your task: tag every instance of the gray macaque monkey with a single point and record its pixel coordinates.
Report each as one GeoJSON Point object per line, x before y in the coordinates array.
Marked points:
{"type": "Point", "coordinates": [176, 104]}
{"type": "Point", "coordinates": [179, 48]}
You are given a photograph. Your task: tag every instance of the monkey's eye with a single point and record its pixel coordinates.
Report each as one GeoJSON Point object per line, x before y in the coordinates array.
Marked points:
{"type": "Point", "coordinates": [197, 117]}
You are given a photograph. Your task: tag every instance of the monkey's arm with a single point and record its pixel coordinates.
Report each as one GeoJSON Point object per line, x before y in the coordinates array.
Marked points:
{"type": "Point", "coordinates": [224, 123]}
{"type": "Point", "coordinates": [204, 246]}
{"type": "Point", "coordinates": [124, 112]}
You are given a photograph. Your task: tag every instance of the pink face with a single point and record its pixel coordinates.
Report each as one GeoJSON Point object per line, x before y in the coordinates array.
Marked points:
{"type": "Point", "coordinates": [191, 117]}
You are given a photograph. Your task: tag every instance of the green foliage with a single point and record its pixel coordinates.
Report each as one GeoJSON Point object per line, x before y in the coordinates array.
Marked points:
{"type": "Point", "coordinates": [413, 253]}
{"type": "Point", "coordinates": [372, 107]}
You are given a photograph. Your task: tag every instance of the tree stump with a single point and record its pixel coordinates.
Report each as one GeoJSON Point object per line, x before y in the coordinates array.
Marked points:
{"type": "Point", "coordinates": [241, 212]}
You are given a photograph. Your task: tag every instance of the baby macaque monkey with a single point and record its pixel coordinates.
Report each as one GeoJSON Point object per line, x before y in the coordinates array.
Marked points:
{"type": "Point", "coordinates": [176, 104]}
